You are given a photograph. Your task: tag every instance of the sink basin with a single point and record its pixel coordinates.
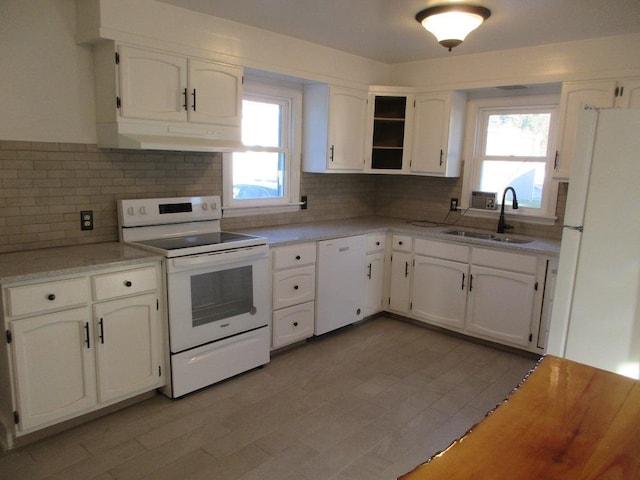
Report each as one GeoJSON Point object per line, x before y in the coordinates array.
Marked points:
{"type": "Point", "coordinates": [486, 236]}
{"type": "Point", "coordinates": [464, 233]}
{"type": "Point", "coordinates": [510, 240]}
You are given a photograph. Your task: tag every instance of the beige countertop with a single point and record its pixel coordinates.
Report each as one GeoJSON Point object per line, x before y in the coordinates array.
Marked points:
{"type": "Point", "coordinates": [47, 262]}
{"type": "Point", "coordinates": [314, 231]}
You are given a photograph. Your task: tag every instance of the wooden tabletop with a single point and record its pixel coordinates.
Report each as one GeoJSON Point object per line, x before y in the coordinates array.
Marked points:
{"type": "Point", "coordinates": [566, 421]}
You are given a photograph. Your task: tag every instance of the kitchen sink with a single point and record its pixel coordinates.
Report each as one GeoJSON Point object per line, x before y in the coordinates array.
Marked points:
{"type": "Point", "coordinates": [510, 240]}
{"type": "Point", "coordinates": [486, 236]}
{"type": "Point", "coordinates": [465, 233]}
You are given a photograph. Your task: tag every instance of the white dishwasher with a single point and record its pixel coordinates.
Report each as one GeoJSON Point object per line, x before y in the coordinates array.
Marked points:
{"type": "Point", "coordinates": [340, 283]}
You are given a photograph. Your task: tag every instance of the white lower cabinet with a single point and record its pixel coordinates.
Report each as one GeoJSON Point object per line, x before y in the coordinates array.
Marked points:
{"type": "Point", "coordinates": [72, 354]}
{"type": "Point", "coordinates": [490, 294]}
{"type": "Point", "coordinates": [374, 274]}
{"type": "Point", "coordinates": [500, 304]}
{"type": "Point", "coordinates": [128, 351]}
{"type": "Point", "coordinates": [293, 324]}
{"type": "Point", "coordinates": [401, 268]}
{"type": "Point", "coordinates": [293, 293]}
{"type": "Point", "coordinates": [54, 367]}
{"type": "Point", "coordinates": [440, 291]}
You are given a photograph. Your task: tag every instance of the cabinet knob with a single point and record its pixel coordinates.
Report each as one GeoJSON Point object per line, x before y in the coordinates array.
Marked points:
{"type": "Point", "coordinates": [400, 242]}
{"type": "Point", "coordinates": [377, 243]}
{"type": "Point", "coordinates": [295, 287]}
{"type": "Point", "coordinates": [51, 297]}
{"type": "Point", "coordinates": [127, 283]}
{"type": "Point", "coordinates": [358, 312]}
{"type": "Point", "coordinates": [297, 257]}
{"type": "Point", "coordinates": [295, 324]}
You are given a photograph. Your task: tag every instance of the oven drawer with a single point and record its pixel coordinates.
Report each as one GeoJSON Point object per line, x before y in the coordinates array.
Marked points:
{"type": "Point", "coordinates": [294, 255]}
{"type": "Point", "coordinates": [41, 297]}
{"type": "Point", "coordinates": [292, 324]}
{"type": "Point", "coordinates": [294, 286]}
{"type": "Point", "coordinates": [127, 282]}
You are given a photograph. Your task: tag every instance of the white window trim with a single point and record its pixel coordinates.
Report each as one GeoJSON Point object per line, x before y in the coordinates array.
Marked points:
{"type": "Point", "coordinates": [254, 87]}
{"type": "Point", "coordinates": [473, 141]}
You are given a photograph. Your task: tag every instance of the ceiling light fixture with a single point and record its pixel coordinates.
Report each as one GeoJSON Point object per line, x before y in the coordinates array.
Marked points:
{"type": "Point", "coordinates": [452, 23]}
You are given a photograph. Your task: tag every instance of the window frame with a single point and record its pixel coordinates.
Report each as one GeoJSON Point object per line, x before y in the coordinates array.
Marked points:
{"type": "Point", "coordinates": [479, 111]}
{"type": "Point", "coordinates": [289, 96]}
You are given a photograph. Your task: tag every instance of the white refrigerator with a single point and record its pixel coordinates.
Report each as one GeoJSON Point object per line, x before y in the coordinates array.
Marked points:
{"type": "Point", "coordinates": [596, 311]}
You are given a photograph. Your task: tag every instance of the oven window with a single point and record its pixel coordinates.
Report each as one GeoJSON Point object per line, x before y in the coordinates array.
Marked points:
{"type": "Point", "coordinates": [220, 295]}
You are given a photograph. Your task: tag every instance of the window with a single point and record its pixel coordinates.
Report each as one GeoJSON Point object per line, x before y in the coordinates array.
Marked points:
{"type": "Point", "coordinates": [266, 177]}
{"type": "Point", "coordinates": [515, 146]}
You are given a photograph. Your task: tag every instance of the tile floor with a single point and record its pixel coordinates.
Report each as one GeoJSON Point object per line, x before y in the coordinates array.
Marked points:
{"type": "Point", "coordinates": [369, 402]}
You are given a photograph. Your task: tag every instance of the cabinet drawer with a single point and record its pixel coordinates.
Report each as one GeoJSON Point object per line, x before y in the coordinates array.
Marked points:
{"type": "Point", "coordinates": [46, 296]}
{"type": "Point", "coordinates": [294, 255]}
{"type": "Point", "coordinates": [292, 324]}
{"type": "Point", "coordinates": [515, 262]}
{"type": "Point", "coordinates": [128, 282]}
{"type": "Point", "coordinates": [294, 286]}
{"type": "Point", "coordinates": [376, 241]}
{"type": "Point", "coordinates": [448, 251]}
{"type": "Point", "coordinates": [402, 243]}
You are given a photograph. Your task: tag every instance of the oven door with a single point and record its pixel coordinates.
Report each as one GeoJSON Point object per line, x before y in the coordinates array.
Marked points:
{"type": "Point", "coordinates": [217, 295]}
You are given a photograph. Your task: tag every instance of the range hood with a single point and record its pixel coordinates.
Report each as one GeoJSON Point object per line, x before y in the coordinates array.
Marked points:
{"type": "Point", "coordinates": [136, 136]}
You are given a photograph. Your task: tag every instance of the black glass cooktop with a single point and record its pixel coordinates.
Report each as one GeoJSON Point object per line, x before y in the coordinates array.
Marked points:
{"type": "Point", "coordinates": [188, 241]}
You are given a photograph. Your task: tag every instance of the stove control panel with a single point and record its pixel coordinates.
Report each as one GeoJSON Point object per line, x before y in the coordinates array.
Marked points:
{"type": "Point", "coordinates": [162, 211]}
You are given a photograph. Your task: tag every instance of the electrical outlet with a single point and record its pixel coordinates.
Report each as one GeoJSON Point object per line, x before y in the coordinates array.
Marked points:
{"type": "Point", "coordinates": [86, 220]}
{"type": "Point", "coordinates": [454, 205]}
{"type": "Point", "coordinates": [303, 199]}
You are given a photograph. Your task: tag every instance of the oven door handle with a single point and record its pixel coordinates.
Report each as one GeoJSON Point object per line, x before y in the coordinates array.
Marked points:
{"type": "Point", "coordinates": [219, 258]}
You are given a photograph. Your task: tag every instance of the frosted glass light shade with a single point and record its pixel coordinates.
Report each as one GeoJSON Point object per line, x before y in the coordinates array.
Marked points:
{"type": "Point", "coordinates": [452, 23]}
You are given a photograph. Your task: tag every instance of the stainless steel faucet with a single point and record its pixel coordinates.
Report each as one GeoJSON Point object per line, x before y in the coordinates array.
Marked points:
{"type": "Point", "coordinates": [502, 226]}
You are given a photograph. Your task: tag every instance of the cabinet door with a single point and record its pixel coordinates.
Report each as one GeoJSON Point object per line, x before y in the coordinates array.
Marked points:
{"type": "Point", "coordinates": [215, 93]}
{"type": "Point", "coordinates": [54, 367]}
{"type": "Point", "coordinates": [437, 134]}
{"type": "Point", "coordinates": [127, 337]}
{"type": "Point", "coordinates": [152, 85]}
{"type": "Point", "coordinates": [400, 285]}
{"type": "Point", "coordinates": [440, 291]}
{"type": "Point", "coordinates": [628, 93]}
{"type": "Point", "coordinates": [374, 283]}
{"type": "Point", "coordinates": [347, 121]}
{"type": "Point", "coordinates": [500, 304]}
{"type": "Point", "coordinates": [575, 97]}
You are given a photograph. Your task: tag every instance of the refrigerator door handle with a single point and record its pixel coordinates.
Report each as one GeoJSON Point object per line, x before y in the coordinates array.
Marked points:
{"type": "Point", "coordinates": [579, 228]}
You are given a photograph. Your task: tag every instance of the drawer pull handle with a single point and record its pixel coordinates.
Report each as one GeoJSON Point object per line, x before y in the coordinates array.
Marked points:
{"type": "Point", "coordinates": [51, 297]}
{"type": "Point", "coordinates": [295, 324]}
{"type": "Point", "coordinates": [297, 257]}
{"type": "Point", "coordinates": [296, 287]}
{"type": "Point", "coordinates": [127, 283]}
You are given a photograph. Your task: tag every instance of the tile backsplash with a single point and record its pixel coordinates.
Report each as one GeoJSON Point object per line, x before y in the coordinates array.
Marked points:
{"type": "Point", "coordinates": [44, 186]}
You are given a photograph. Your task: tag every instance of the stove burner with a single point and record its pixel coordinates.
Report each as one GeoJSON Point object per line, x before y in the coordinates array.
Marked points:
{"type": "Point", "coordinates": [188, 241]}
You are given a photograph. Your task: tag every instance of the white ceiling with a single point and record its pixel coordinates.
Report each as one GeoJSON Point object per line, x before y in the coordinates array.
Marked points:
{"type": "Point", "coordinates": [386, 30]}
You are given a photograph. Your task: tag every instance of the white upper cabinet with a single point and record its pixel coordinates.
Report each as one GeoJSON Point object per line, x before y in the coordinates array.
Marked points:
{"type": "Point", "coordinates": [334, 120]}
{"type": "Point", "coordinates": [162, 100]}
{"type": "Point", "coordinates": [152, 85]}
{"type": "Point", "coordinates": [437, 134]}
{"type": "Point", "coordinates": [575, 97]}
{"type": "Point", "coordinates": [389, 130]}
{"type": "Point", "coordinates": [628, 93]}
{"type": "Point", "coordinates": [216, 93]}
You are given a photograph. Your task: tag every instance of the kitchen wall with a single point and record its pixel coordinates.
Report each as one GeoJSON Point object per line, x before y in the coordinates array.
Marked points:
{"type": "Point", "coordinates": [44, 186]}
{"type": "Point", "coordinates": [50, 167]}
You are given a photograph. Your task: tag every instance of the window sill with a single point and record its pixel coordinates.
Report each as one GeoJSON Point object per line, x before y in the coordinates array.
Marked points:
{"type": "Point", "coordinates": [229, 212]}
{"type": "Point", "coordinates": [539, 219]}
